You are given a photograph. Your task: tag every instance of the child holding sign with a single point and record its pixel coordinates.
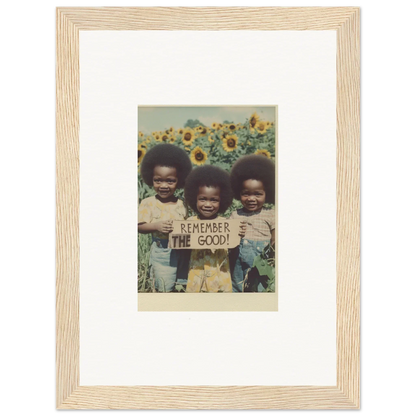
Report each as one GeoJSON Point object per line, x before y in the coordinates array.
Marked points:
{"type": "Point", "coordinates": [253, 183]}
{"type": "Point", "coordinates": [165, 167]}
{"type": "Point", "coordinates": [208, 192]}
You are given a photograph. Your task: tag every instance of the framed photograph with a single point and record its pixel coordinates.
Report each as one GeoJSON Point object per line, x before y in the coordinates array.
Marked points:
{"type": "Point", "coordinates": [223, 271]}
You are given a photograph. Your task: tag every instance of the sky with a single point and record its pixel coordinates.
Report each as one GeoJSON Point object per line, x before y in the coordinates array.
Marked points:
{"type": "Point", "coordinates": [161, 118]}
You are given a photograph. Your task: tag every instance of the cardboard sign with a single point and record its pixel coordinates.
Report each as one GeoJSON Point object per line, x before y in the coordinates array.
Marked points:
{"type": "Point", "coordinates": [205, 234]}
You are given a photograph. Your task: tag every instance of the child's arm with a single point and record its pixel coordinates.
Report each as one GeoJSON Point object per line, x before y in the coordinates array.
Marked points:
{"type": "Point", "coordinates": [164, 227]}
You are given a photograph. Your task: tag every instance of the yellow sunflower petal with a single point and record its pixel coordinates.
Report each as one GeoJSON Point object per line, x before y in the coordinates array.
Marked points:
{"type": "Point", "coordinates": [140, 154]}
{"type": "Point", "coordinates": [253, 120]}
{"type": "Point", "coordinates": [263, 152]}
{"type": "Point", "coordinates": [261, 127]}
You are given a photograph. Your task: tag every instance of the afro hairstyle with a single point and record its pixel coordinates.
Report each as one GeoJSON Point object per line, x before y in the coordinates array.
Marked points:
{"type": "Point", "coordinates": [166, 155]}
{"type": "Point", "coordinates": [256, 167]}
{"type": "Point", "coordinates": [211, 176]}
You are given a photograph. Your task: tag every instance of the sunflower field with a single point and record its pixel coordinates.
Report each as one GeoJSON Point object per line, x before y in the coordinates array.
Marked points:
{"type": "Point", "coordinates": [220, 144]}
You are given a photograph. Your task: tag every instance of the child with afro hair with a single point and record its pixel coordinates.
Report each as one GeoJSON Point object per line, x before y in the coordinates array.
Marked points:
{"type": "Point", "coordinates": [208, 192]}
{"type": "Point", "coordinates": [165, 168]}
{"type": "Point", "coordinates": [253, 183]}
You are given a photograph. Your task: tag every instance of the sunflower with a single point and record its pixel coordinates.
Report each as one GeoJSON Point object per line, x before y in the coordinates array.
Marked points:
{"type": "Point", "coordinates": [211, 138]}
{"type": "Point", "coordinates": [154, 133]}
{"type": "Point", "coordinates": [164, 137]}
{"type": "Point", "coordinates": [262, 152]}
{"type": "Point", "coordinates": [203, 131]}
{"type": "Point", "coordinates": [172, 138]}
{"type": "Point", "coordinates": [229, 143]}
{"type": "Point", "coordinates": [148, 139]}
{"type": "Point", "coordinates": [180, 131]}
{"type": "Point", "coordinates": [158, 137]}
{"type": "Point", "coordinates": [214, 125]}
{"type": "Point", "coordinates": [141, 134]}
{"type": "Point", "coordinates": [198, 156]}
{"type": "Point", "coordinates": [188, 137]}
{"type": "Point", "coordinates": [268, 124]}
{"type": "Point", "coordinates": [261, 127]}
{"type": "Point", "coordinates": [141, 151]}
{"type": "Point", "coordinates": [253, 120]}
{"type": "Point", "coordinates": [199, 128]}
{"type": "Point", "coordinates": [171, 130]}
{"type": "Point", "coordinates": [232, 127]}
{"type": "Point", "coordinates": [143, 145]}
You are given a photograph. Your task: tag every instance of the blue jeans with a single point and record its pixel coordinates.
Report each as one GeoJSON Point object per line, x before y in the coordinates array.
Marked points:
{"type": "Point", "coordinates": [248, 251]}
{"type": "Point", "coordinates": [167, 267]}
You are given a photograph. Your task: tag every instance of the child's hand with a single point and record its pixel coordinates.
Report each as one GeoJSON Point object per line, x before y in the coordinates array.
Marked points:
{"type": "Point", "coordinates": [243, 228]}
{"type": "Point", "coordinates": [165, 227]}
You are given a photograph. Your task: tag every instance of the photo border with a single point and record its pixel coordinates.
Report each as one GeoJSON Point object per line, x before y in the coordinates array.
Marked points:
{"type": "Point", "coordinates": [346, 394]}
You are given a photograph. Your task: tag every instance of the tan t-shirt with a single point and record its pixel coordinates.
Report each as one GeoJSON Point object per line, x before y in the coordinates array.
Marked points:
{"type": "Point", "coordinates": [259, 224]}
{"type": "Point", "coordinates": [152, 210]}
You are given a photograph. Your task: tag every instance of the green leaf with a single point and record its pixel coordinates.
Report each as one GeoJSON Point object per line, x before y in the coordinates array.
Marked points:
{"type": "Point", "coordinates": [179, 288]}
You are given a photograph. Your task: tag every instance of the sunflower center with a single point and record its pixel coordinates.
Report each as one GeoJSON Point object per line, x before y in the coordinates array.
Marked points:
{"type": "Point", "coordinates": [187, 136]}
{"type": "Point", "coordinates": [232, 127]}
{"type": "Point", "coordinates": [231, 143]}
{"type": "Point", "coordinates": [199, 156]}
{"type": "Point", "coordinates": [252, 121]}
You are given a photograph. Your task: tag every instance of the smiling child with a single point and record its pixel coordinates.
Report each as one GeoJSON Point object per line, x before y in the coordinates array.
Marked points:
{"type": "Point", "coordinates": [253, 183]}
{"type": "Point", "coordinates": [165, 167]}
{"type": "Point", "coordinates": [208, 192]}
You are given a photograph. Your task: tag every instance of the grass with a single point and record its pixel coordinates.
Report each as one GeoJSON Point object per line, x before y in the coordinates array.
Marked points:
{"type": "Point", "coordinates": [144, 283]}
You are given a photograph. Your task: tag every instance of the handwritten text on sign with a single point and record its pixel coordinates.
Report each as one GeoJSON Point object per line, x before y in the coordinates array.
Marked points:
{"type": "Point", "coordinates": [211, 234]}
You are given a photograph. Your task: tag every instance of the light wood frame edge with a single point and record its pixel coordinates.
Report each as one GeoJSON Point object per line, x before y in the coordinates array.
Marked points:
{"type": "Point", "coordinates": [69, 394]}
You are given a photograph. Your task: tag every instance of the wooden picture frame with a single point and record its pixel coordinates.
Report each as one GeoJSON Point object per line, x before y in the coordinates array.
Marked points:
{"type": "Point", "coordinates": [346, 394]}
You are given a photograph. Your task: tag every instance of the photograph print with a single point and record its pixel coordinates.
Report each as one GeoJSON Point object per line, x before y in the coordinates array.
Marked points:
{"type": "Point", "coordinates": [207, 199]}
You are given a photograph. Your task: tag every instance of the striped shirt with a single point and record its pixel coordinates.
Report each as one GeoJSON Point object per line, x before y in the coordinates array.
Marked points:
{"type": "Point", "coordinates": [259, 223]}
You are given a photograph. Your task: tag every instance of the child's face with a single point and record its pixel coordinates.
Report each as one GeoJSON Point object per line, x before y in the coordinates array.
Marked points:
{"type": "Point", "coordinates": [208, 201]}
{"type": "Point", "coordinates": [165, 181]}
{"type": "Point", "coordinates": [253, 195]}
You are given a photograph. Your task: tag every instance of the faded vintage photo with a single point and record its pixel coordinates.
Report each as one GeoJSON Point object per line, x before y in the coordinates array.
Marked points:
{"type": "Point", "coordinates": [207, 199]}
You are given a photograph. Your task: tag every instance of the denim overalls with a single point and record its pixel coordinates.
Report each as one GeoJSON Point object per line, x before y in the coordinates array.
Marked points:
{"type": "Point", "coordinates": [167, 266]}
{"type": "Point", "coordinates": [248, 251]}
